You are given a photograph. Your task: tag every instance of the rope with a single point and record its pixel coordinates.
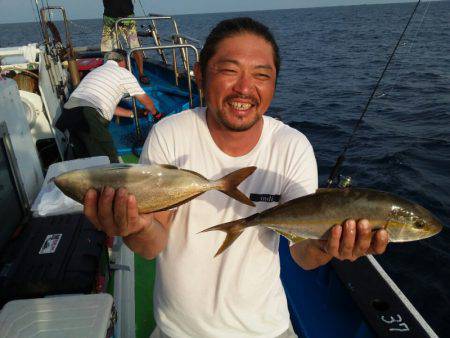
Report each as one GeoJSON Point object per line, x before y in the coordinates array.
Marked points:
{"type": "Point", "coordinates": [341, 158]}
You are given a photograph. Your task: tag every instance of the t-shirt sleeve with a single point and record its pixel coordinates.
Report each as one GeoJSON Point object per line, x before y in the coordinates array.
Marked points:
{"type": "Point", "coordinates": [130, 85]}
{"type": "Point", "coordinates": [155, 149]}
{"type": "Point", "coordinates": [301, 172]}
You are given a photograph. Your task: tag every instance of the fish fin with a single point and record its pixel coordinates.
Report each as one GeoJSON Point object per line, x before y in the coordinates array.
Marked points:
{"type": "Point", "coordinates": [233, 229]}
{"type": "Point", "coordinates": [167, 166]}
{"type": "Point", "coordinates": [291, 237]}
{"type": "Point", "coordinates": [179, 203]}
{"type": "Point", "coordinates": [113, 166]}
{"type": "Point", "coordinates": [195, 173]}
{"type": "Point", "coordinates": [232, 180]}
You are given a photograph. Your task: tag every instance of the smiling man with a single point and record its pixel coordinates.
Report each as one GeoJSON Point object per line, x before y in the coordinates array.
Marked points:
{"type": "Point", "coordinates": [238, 293]}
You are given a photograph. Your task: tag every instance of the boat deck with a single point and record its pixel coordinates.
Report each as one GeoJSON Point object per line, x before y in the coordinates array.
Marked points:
{"type": "Point", "coordinates": [168, 99]}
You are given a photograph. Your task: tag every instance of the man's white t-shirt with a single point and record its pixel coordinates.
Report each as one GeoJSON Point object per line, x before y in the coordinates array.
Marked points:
{"type": "Point", "coordinates": [238, 293]}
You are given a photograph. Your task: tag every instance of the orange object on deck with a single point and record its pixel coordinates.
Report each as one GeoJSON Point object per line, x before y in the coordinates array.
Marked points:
{"type": "Point", "coordinates": [89, 63]}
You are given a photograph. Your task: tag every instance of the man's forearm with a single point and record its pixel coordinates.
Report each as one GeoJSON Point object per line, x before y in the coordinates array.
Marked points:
{"type": "Point", "coordinates": [123, 112]}
{"type": "Point", "coordinates": [308, 255]}
{"type": "Point", "coordinates": [148, 242]}
{"type": "Point", "coordinates": [147, 102]}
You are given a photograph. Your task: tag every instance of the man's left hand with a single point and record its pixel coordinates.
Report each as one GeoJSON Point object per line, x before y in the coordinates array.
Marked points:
{"type": "Point", "coordinates": [348, 241]}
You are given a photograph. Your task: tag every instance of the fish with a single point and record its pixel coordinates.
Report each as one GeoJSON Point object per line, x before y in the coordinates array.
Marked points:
{"type": "Point", "coordinates": [156, 187]}
{"type": "Point", "coordinates": [313, 215]}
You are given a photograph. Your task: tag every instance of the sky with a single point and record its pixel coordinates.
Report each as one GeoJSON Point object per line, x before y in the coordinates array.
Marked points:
{"type": "Point", "coordinates": [23, 10]}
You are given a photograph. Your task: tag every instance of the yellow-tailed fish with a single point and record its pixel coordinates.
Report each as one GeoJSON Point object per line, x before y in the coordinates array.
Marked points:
{"type": "Point", "coordinates": [312, 216]}
{"type": "Point", "coordinates": [156, 187]}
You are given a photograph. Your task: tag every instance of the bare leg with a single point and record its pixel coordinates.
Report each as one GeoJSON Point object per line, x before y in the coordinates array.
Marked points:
{"type": "Point", "coordinates": [139, 57]}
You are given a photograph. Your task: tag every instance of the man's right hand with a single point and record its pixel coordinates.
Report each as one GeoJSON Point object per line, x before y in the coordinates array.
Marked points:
{"type": "Point", "coordinates": [115, 212]}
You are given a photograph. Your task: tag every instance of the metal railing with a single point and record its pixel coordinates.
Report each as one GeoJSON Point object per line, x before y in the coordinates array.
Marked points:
{"type": "Point", "coordinates": [153, 31]}
{"type": "Point", "coordinates": [176, 38]}
{"type": "Point", "coordinates": [189, 77]}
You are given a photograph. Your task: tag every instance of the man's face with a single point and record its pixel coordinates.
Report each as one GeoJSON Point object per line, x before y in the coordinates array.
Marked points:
{"type": "Point", "coordinates": [239, 81]}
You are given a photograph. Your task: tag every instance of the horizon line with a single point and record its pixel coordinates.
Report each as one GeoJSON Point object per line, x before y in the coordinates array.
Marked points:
{"type": "Point", "coordinates": [247, 11]}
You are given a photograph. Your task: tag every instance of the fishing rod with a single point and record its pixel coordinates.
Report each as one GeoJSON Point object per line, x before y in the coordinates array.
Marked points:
{"type": "Point", "coordinates": [40, 18]}
{"type": "Point", "coordinates": [335, 171]}
{"type": "Point", "coordinates": [411, 45]}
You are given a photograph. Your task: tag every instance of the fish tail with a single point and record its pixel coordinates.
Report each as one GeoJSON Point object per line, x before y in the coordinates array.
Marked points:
{"type": "Point", "coordinates": [233, 229]}
{"type": "Point", "coordinates": [230, 182]}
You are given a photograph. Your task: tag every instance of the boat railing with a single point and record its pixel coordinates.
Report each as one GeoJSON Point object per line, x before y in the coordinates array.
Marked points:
{"type": "Point", "coordinates": [188, 39]}
{"type": "Point", "coordinates": [188, 72]}
{"type": "Point", "coordinates": [152, 31]}
{"type": "Point", "coordinates": [179, 39]}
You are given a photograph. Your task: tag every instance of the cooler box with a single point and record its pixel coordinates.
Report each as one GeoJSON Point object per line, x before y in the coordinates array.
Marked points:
{"type": "Point", "coordinates": [76, 316]}
{"type": "Point", "coordinates": [52, 255]}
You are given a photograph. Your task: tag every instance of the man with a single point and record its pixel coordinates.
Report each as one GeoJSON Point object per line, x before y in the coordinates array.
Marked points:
{"type": "Point", "coordinates": [238, 293]}
{"type": "Point", "coordinates": [113, 11]}
{"type": "Point", "coordinates": [94, 102]}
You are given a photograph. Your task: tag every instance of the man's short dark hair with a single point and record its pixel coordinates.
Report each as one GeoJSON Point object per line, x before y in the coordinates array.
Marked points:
{"type": "Point", "coordinates": [232, 27]}
{"type": "Point", "coordinates": [117, 55]}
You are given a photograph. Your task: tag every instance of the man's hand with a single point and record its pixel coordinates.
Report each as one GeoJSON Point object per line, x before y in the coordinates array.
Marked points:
{"type": "Point", "coordinates": [143, 112]}
{"type": "Point", "coordinates": [115, 212]}
{"type": "Point", "coordinates": [348, 241]}
{"type": "Point", "coordinates": [147, 103]}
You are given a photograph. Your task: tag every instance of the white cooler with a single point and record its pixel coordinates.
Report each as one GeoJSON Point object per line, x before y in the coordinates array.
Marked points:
{"type": "Point", "coordinates": [73, 316]}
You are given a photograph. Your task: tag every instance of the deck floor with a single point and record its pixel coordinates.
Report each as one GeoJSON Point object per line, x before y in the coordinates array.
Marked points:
{"type": "Point", "coordinates": [144, 282]}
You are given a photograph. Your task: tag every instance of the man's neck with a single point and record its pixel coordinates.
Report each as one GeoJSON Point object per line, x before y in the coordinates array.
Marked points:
{"type": "Point", "coordinates": [234, 143]}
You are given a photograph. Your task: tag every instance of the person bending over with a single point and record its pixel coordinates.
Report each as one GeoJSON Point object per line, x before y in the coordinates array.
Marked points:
{"type": "Point", "coordinates": [93, 104]}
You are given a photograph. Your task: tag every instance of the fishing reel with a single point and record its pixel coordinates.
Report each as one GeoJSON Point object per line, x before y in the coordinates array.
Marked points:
{"type": "Point", "coordinates": [147, 31]}
{"type": "Point", "coordinates": [344, 182]}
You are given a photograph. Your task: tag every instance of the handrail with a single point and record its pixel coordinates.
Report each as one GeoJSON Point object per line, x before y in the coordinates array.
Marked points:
{"type": "Point", "coordinates": [177, 38]}
{"type": "Point", "coordinates": [153, 30]}
{"type": "Point", "coordinates": [142, 18]}
{"type": "Point", "coordinates": [173, 47]}
{"type": "Point", "coordinates": [188, 38]}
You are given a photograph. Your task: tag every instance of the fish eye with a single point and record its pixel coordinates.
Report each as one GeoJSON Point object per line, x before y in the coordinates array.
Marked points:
{"type": "Point", "coordinates": [419, 224]}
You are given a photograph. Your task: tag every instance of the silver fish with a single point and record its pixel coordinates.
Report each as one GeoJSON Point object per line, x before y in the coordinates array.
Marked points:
{"type": "Point", "coordinates": [156, 187]}
{"type": "Point", "coordinates": [312, 216]}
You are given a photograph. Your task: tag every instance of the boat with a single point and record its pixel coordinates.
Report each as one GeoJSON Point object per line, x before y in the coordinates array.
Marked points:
{"type": "Point", "coordinates": [341, 299]}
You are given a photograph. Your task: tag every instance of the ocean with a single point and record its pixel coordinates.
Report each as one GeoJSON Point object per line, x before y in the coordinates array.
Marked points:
{"type": "Point", "coordinates": [331, 60]}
